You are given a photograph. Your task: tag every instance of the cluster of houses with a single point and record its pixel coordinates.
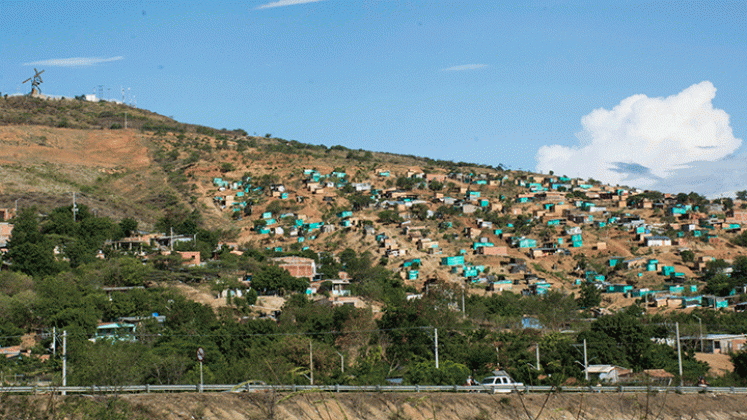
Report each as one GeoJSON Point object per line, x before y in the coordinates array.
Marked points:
{"type": "Point", "coordinates": [555, 216]}
{"type": "Point", "coordinates": [564, 208]}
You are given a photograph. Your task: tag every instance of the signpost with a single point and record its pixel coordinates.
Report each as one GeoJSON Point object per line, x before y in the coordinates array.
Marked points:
{"type": "Point", "coordinates": [200, 357]}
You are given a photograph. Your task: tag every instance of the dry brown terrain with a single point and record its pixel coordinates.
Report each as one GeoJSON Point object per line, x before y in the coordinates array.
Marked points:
{"type": "Point", "coordinates": [110, 170]}
{"type": "Point", "coordinates": [720, 363]}
{"type": "Point", "coordinates": [101, 149]}
{"type": "Point", "coordinates": [425, 406]}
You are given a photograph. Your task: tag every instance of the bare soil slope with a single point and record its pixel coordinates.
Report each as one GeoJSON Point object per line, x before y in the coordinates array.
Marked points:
{"type": "Point", "coordinates": [103, 149]}
{"type": "Point", "coordinates": [329, 406]}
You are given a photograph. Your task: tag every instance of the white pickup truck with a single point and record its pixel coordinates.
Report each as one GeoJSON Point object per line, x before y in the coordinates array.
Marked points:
{"type": "Point", "coordinates": [501, 382]}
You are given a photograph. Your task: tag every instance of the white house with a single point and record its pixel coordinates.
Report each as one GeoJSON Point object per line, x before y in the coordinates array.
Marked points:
{"type": "Point", "coordinates": [658, 241]}
{"type": "Point", "coordinates": [607, 373]}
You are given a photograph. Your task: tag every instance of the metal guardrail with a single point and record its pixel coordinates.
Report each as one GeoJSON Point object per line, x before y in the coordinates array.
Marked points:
{"type": "Point", "coordinates": [94, 389]}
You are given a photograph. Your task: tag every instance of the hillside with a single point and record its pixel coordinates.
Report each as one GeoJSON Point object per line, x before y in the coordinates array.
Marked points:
{"type": "Point", "coordinates": [260, 249]}
{"type": "Point", "coordinates": [159, 167]}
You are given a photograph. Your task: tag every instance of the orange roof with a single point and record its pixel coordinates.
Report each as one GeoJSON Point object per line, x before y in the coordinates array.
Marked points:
{"type": "Point", "coordinates": [658, 373]}
{"type": "Point", "coordinates": [10, 351]}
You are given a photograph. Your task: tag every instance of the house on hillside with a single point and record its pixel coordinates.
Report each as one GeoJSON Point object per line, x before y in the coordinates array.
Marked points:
{"type": "Point", "coordinates": [658, 241]}
{"type": "Point", "coordinates": [340, 287]}
{"type": "Point", "coordinates": [297, 266]}
{"type": "Point", "coordinates": [10, 352]}
{"type": "Point", "coordinates": [524, 242]}
{"type": "Point", "coordinates": [7, 214]}
{"type": "Point", "coordinates": [658, 376]}
{"type": "Point", "coordinates": [117, 331]}
{"type": "Point", "coordinates": [190, 258]}
{"type": "Point", "coordinates": [6, 231]}
{"type": "Point", "coordinates": [608, 373]}
{"type": "Point", "coordinates": [723, 343]}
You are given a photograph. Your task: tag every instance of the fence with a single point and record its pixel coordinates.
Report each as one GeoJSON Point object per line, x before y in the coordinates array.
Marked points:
{"type": "Point", "coordinates": [94, 389]}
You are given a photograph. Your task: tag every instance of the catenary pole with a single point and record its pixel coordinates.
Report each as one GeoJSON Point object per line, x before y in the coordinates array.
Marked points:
{"type": "Point", "coordinates": [679, 350]}
{"type": "Point", "coordinates": [311, 360]}
{"type": "Point", "coordinates": [64, 360]}
{"type": "Point", "coordinates": [435, 340]}
{"type": "Point", "coordinates": [586, 363]}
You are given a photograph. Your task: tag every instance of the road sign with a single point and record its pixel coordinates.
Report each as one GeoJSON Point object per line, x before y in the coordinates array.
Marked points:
{"type": "Point", "coordinates": [200, 354]}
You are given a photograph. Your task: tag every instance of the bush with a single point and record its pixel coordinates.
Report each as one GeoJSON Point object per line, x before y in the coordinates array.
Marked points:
{"type": "Point", "coordinates": [448, 373]}
{"type": "Point", "coordinates": [389, 216]}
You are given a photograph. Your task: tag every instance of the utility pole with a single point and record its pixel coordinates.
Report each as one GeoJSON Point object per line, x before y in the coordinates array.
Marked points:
{"type": "Point", "coordinates": [435, 330]}
{"type": "Point", "coordinates": [125, 120]}
{"type": "Point", "coordinates": [64, 361]}
{"type": "Point", "coordinates": [586, 363]}
{"type": "Point", "coordinates": [311, 360]}
{"type": "Point", "coordinates": [679, 350]}
{"type": "Point", "coordinates": [463, 313]}
{"type": "Point", "coordinates": [537, 351]}
{"type": "Point", "coordinates": [342, 361]}
{"type": "Point", "coordinates": [171, 238]}
{"type": "Point", "coordinates": [700, 327]}
{"type": "Point", "coordinates": [54, 341]}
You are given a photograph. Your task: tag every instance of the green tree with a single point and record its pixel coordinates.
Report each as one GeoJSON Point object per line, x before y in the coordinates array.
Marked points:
{"type": "Point", "coordinates": [10, 335]}
{"type": "Point", "coordinates": [360, 201]}
{"type": "Point", "coordinates": [622, 339]}
{"type": "Point", "coordinates": [389, 216]}
{"type": "Point", "coordinates": [436, 186]}
{"type": "Point", "coordinates": [420, 211]}
{"type": "Point", "coordinates": [448, 373]}
{"type": "Point", "coordinates": [108, 363]}
{"type": "Point", "coordinates": [29, 251]}
{"type": "Point", "coordinates": [125, 271]}
{"type": "Point", "coordinates": [740, 366]}
{"type": "Point", "coordinates": [273, 279]}
{"type": "Point", "coordinates": [259, 224]}
{"type": "Point", "coordinates": [590, 297]}
{"type": "Point", "coordinates": [128, 226]}
{"type": "Point", "coordinates": [407, 183]}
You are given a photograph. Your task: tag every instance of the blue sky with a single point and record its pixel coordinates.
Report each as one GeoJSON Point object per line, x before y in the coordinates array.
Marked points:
{"type": "Point", "coordinates": [478, 81]}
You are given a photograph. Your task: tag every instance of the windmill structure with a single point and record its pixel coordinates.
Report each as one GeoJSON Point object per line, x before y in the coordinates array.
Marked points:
{"type": "Point", "coordinates": [36, 80]}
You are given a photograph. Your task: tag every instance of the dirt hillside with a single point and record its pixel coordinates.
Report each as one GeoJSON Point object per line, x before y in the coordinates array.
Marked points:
{"type": "Point", "coordinates": [421, 406]}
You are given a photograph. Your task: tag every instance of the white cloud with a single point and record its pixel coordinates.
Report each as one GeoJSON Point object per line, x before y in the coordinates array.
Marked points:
{"type": "Point", "coordinates": [464, 67]}
{"type": "Point", "coordinates": [282, 3]}
{"type": "Point", "coordinates": [650, 143]}
{"type": "Point", "coordinates": [73, 62]}
{"type": "Point", "coordinates": [723, 177]}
